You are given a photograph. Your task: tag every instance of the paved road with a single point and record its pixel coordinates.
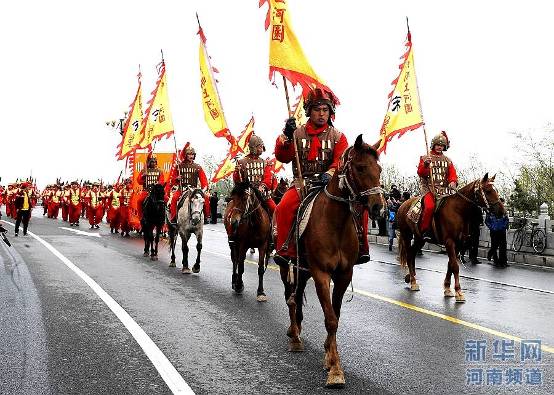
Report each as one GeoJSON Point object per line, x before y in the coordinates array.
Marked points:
{"type": "Point", "coordinates": [60, 337]}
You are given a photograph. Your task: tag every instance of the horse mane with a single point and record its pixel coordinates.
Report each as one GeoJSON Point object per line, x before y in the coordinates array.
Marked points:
{"type": "Point", "coordinates": [240, 189]}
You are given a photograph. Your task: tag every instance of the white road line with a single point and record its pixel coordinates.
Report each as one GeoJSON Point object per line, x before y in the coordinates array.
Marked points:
{"type": "Point", "coordinates": [80, 232]}
{"type": "Point", "coordinates": [169, 374]}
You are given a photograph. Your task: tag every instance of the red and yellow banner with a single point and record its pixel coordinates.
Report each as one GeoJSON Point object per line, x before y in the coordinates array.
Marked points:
{"type": "Point", "coordinates": [211, 102]}
{"type": "Point", "coordinates": [131, 132]}
{"type": "Point", "coordinates": [227, 166]}
{"type": "Point", "coordinates": [404, 109]}
{"type": "Point", "coordinates": [157, 121]}
{"type": "Point", "coordinates": [285, 52]}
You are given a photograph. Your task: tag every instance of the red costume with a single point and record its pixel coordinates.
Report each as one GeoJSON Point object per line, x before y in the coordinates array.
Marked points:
{"type": "Point", "coordinates": [113, 203]}
{"type": "Point", "coordinates": [65, 203]}
{"type": "Point", "coordinates": [148, 178]}
{"type": "Point", "coordinates": [440, 169]}
{"type": "Point", "coordinates": [125, 198]}
{"type": "Point", "coordinates": [74, 204]}
{"type": "Point", "coordinates": [187, 174]}
{"type": "Point", "coordinates": [95, 210]}
{"type": "Point", "coordinates": [54, 202]}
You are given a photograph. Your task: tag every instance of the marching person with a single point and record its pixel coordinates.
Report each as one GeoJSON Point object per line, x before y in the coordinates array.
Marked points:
{"type": "Point", "coordinates": [320, 147]}
{"type": "Point", "coordinates": [95, 210]}
{"type": "Point", "coordinates": [23, 205]}
{"type": "Point", "coordinates": [256, 171]}
{"type": "Point", "coordinates": [188, 174]}
{"type": "Point", "coordinates": [65, 202]}
{"type": "Point", "coordinates": [436, 171]}
{"type": "Point", "coordinates": [125, 198]}
{"type": "Point", "coordinates": [113, 203]}
{"type": "Point", "coordinates": [74, 204]}
{"type": "Point", "coordinates": [54, 202]}
{"type": "Point", "coordinates": [149, 177]}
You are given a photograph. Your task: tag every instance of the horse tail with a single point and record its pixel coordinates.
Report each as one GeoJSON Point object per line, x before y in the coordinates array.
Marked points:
{"type": "Point", "coordinates": [403, 249]}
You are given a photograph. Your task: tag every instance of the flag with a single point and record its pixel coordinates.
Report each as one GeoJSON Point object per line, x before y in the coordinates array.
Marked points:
{"type": "Point", "coordinates": [211, 102]}
{"type": "Point", "coordinates": [276, 166]}
{"type": "Point", "coordinates": [227, 166]}
{"type": "Point", "coordinates": [157, 121]}
{"type": "Point", "coordinates": [404, 109]}
{"type": "Point", "coordinates": [299, 112]}
{"type": "Point", "coordinates": [131, 134]}
{"type": "Point", "coordinates": [285, 53]}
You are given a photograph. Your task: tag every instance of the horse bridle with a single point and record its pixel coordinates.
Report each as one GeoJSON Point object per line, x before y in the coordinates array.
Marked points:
{"type": "Point", "coordinates": [345, 171]}
{"type": "Point", "coordinates": [246, 212]}
{"type": "Point", "coordinates": [191, 213]}
{"type": "Point", "coordinates": [479, 194]}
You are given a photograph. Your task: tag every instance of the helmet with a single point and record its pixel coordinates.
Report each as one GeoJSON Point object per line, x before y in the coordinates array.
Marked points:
{"type": "Point", "coordinates": [190, 150]}
{"type": "Point", "coordinates": [316, 97]}
{"type": "Point", "coordinates": [441, 139]}
{"type": "Point", "coordinates": [254, 142]}
{"type": "Point", "coordinates": [151, 158]}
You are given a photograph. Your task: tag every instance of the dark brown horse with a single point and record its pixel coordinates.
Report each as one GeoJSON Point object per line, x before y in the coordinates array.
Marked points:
{"type": "Point", "coordinates": [248, 226]}
{"type": "Point", "coordinates": [451, 223]}
{"type": "Point", "coordinates": [329, 245]}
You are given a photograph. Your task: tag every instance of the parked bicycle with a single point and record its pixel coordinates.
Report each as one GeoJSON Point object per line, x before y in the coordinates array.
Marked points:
{"type": "Point", "coordinates": [529, 235]}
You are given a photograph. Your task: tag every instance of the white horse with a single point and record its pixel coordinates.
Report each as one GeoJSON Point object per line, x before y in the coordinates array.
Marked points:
{"type": "Point", "coordinates": [190, 220]}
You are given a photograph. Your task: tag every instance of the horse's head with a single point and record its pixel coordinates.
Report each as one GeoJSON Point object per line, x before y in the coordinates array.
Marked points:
{"type": "Point", "coordinates": [241, 200]}
{"type": "Point", "coordinates": [487, 196]}
{"type": "Point", "coordinates": [157, 193]}
{"type": "Point", "coordinates": [196, 206]}
{"type": "Point", "coordinates": [360, 173]}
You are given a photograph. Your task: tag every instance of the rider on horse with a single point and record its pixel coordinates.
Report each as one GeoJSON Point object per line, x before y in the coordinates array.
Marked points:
{"type": "Point", "coordinates": [188, 174]}
{"type": "Point", "coordinates": [437, 171]}
{"type": "Point", "coordinates": [149, 177]}
{"type": "Point", "coordinates": [320, 147]}
{"type": "Point", "coordinates": [256, 171]}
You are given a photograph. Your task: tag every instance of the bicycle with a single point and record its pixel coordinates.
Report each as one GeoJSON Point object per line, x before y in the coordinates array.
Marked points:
{"type": "Point", "coordinates": [530, 236]}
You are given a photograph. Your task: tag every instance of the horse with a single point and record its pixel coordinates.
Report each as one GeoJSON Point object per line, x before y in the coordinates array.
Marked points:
{"type": "Point", "coordinates": [248, 225]}
{"type": "Point", "coordinates": [153, 217]}
{"type": "Point", "coordinates": [190, 220]}
{"type": "Point", "coordinates": [451, 220]}
{"type": "Point", "coordinates": [328, 247]}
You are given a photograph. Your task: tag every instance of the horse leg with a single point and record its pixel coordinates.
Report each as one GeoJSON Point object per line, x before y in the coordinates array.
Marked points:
{"type": "Point", "coordinates": [446, 285]}
{"type": "Point", "coordinates": [335, 378]}
{"type": "Point", "coordinates": [172, 240]}
{"type": "Point", "coordinates": [196, 267]}
{"type": "Point", "coordinates": [146, 242]}
{"type": "Point", "coordinates": [295, 343]}
{"type": "Point", "coordinates": [288, 284]}
{"type": "Point", "coordinates": [233, 246]}
{"type": "Point", "coordinates": [155, 240]}
{"type": "Point", "coordinates": [454, 266]}
{"type": "Point", "coordinates": [262, 259]}
{"type": "Point", "coordinates": [185, 249]}
{"type": "Point", "coordinates": [412, 252]}
{"type": "Point", "coordinates": [241, 255]}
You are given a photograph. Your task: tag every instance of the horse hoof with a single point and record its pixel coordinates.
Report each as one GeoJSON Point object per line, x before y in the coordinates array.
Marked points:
{"type": "Point", "coordinates": [335, 380]}
{"type": "Point", "coordinates": [448, 293]}
{"type": "Point", "coordinates": [460, 297]}
{"type": "Point", "coordinates": [407, 278]}
{"type": "Point", "coordinates": [239, 288]}
{"type": "Point", "coordinates": [261, 298]}
{"type": "Point", "coordinates": [196, 269]}
{"type": "Point", "coordinates": [414, 287]}
{"type": "Point", "coordinates": [296, 345]}
{"type": "Point", "coordinates": [172, 264]}
{"type": "Point", "coordinates": [154, 258]}
{"type": "Point", "coordinates": [186, 270]}
{"type": "Point", "coordinates": [145, 254]}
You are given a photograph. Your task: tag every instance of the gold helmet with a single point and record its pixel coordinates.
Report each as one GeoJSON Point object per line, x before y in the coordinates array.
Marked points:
{"type": "Point", "coordinates": [255, 141]}
{"type": "Point", "coordinates": [441, 139]}
{"type": "Point", "coordinates": [190, 150]}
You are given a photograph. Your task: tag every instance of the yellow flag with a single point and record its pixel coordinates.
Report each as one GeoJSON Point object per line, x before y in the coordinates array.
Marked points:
{"type": "Point", "coordinates": [404, 109]}
{"type": "Point", "coordinates": [131, 132]}
{"type": "Point", "coordinates": [299, 112]}
{"type": "Point", "coordinates": [285, 52]}
{"type": "Point", "coordinates": [244, 138]}
{"type": "Point", "coordinates": [157, 121]}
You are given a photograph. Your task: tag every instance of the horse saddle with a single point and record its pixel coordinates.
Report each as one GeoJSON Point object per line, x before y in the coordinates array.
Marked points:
{"type": "Point", "coordinates": [305, 209]}
{"type": "Point", "coordinates": [186, 193]}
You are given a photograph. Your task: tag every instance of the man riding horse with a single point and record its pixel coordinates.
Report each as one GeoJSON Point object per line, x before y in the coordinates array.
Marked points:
{"type": "Point", "coordinates": [320, 146]}
{"type": "Point", "coordinates": [149, 177]}
{"type": "Point", "coordinates": [256, 171]}
{"type": "Point", "coordinates": [436, 174]}
{"type": "Point", "coordinates": [188, 174]}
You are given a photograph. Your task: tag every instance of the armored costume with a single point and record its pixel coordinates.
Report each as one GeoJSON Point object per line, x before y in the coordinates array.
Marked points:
{"type": "Point", "coordinates": [125, 198]}
{"type": "Point", "coordinates": [149, 177]}
{"type": "Point", "coordinates": [320, 147]}
{"type": "Point", "coordinates": [435, 171]}
{"type": "Point", "coordinates": [95, 210]}
{"type": "Point", "coordinates": [188, 174]}
{"type": "Point", "coordinates": [74, 204]}
{"type": "Point", "coordinates": [256, 171]}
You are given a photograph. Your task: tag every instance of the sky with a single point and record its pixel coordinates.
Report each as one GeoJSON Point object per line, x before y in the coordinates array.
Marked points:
{"type": "Point", "coordinates": [483, 68]}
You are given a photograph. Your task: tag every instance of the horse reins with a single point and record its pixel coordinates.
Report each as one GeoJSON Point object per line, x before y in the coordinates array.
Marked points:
{"type": "Point", "coordinates": [479, 193]}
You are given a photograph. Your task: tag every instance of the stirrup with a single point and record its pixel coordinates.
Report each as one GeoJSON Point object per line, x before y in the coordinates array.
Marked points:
{"type": "Point", "coordinates": [282, 261]}
{"type": "Point", "coordinates": [364, 258]}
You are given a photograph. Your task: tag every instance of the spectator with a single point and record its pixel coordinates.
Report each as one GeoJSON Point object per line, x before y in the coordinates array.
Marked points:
{"type": "Point", "coordinates": [472, 244]}
{"type": "Point", "coordinates": [213, 207]}
{"type": "Point", "coordinates": [382, 222]}
{"type": "Point", "coordinates": [393, 204]}
{"type": "Point", "coordinates": [497, 227]}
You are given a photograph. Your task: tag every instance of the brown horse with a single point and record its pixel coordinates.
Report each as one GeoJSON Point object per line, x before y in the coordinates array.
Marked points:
{"type": "Point", "coordinates": [451, 224]}
{"type": "Point", "coordinates": [248, 226]}
{"type": "Point", "coordinates": [328, 247]}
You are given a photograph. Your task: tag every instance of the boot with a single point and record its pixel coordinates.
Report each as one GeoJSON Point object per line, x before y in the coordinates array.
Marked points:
{"type": "Point", "coordinates": [281, 260]}
{"type": "Point", "coordinates": [363, 255]}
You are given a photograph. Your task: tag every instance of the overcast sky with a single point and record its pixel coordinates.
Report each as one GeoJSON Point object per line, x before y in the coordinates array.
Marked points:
{"type": "Point", "coordinates": [483, 67]}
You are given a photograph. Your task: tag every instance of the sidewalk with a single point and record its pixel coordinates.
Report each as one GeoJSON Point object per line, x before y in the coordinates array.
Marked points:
{"type": "Point", "coordinates": [517, 258]}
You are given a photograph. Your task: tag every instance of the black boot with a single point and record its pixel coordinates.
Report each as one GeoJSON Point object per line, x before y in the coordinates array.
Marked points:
{"type": "Point", "coordinates": [363, 255]}
{"type": "Point", "coordinates": [280, 260]}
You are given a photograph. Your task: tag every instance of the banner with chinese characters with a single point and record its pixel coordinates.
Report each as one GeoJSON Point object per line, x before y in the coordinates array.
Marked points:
{"type": "Point", "coordinates": [211, 102]}
{"type": "Point", "coordinates": [285, 53]}
{"type": "Point", "coordinates": [131, 135]}
{"type": "Point", "coordinates": [157, 121]}
{"type": "Point", "coordinates": [404, 109]}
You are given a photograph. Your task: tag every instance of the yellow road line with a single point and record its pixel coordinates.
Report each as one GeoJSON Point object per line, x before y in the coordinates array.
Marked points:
{"type": "Point", "coordinates": [445, 317]}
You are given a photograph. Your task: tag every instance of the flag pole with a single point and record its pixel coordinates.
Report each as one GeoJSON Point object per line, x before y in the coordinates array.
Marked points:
{"type": "Point", "coordinates": [421, 111]}
{"type": "Point", "coordinates": [296, 157]}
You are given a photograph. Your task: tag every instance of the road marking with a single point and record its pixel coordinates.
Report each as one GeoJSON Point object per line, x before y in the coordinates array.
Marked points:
{"type": "Point", "coordinates": [169, 374]}
{"type": "Point", "coordinates": [408, 306]}
{"type": "Point", "coordinates": [81, 232]}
